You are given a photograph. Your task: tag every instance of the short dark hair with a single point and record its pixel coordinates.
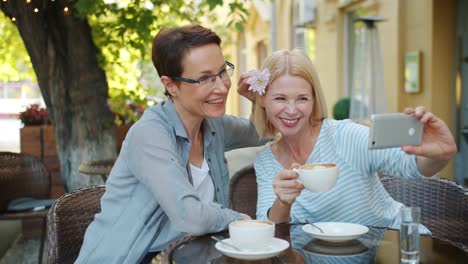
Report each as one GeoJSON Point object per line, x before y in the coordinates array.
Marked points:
{"type": "Point", "coordinates": [172, 44]}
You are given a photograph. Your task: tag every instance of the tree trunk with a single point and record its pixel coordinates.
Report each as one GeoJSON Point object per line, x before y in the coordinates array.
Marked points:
{"type": "Point", "coordinates": [72, 84]}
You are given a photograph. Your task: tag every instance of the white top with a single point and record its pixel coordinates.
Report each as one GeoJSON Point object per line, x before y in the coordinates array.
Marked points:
{"type": "Point", "coordinates": [202, 182]}
{"type": "Point", "coordinates": [358, 196]}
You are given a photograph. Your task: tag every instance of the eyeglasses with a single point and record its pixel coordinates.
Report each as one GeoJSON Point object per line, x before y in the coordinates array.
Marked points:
{"type": "Point", "coordinates": [210, 80]}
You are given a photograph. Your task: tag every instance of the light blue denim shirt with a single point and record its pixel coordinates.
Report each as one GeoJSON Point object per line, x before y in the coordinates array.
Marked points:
{"type": "Point", "coordinates": [149, 199]}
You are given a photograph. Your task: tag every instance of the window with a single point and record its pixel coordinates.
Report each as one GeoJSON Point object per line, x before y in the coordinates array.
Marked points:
{"type": "Point", "coordinates": [14, 96]}
{"type": "Point", "coordinates": [19, 90]}
{"type": "Point", "coordinates": [303, 26]}
{"type": "Point", "coordinates": [304, 38]}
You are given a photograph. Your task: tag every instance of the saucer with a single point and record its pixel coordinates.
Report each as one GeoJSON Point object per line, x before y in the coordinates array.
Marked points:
{"type": "Point", "coordinates": [325, 248]}
{"type": "Point", "coordinates": [336, 231]}
{"type": "Point", "coordinates": [277, 246]}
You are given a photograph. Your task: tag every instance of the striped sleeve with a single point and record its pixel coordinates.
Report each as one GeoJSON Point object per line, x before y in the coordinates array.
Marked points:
{"type": "Point", "coordinates": [265, 176]}
{"type": "Point", "coordinates": [353, 141]}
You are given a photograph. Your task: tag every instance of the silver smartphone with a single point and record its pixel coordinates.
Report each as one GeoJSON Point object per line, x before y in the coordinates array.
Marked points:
{"type": "Point", "coordinates": [394, 130]}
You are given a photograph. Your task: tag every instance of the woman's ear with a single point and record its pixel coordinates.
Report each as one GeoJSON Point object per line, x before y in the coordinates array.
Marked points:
{"type": "Point", "coordinates": [171, 87]}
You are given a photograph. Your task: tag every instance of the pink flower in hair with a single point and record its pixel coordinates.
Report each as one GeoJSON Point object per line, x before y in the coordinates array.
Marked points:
{"type": "Point", "coordinates": [259, 81]}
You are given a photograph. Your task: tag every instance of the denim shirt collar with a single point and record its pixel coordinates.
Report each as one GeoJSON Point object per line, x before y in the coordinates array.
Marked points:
{"type": "Point", "coordinates": [208, 129]}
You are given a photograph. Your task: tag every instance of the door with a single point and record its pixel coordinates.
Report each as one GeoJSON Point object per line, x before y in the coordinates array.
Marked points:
{"type": "Point", "coordinates": [461, 94]}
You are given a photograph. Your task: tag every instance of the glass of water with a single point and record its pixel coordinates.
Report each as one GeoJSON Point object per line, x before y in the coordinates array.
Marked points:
{"type": "Point", "coordinates": [409, 234]}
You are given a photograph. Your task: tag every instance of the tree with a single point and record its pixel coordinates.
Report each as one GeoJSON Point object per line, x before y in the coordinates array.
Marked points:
{"type": "Point", "coordinates": [71, 44]}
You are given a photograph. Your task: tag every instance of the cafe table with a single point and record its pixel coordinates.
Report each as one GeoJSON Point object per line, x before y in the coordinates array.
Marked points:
{"type": "Point", "coordinates": [379, 245]}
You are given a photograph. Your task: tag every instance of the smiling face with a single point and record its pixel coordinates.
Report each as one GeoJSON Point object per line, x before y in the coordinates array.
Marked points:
{"type": "Point", "coordinates": [288, 104]}
{"type": "Point", "coordinates": [196, 101]}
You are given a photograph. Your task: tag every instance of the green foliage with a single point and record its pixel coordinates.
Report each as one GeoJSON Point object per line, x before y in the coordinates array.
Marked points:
{"type": "Point", "coordinates": [15, 64]}
{"type": "Point", "coordinates": [238, 14]}
{"type": "Point", "coordinates": [124, 30]}
{"type": "Point", "coordinates": [213, 3]}
{"type": "Point", "coordinates": [341, 108]}
{"type": "Point", "coordinates": [133, 24]}
{"type": "Point", "coordinates": [128, 106]}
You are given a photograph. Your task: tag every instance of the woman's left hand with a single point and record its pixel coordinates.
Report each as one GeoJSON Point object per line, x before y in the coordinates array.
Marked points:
{"type": "Point", "coordinates": [243, 86]}
{"type": "Point", "coordinates": [437, 140]}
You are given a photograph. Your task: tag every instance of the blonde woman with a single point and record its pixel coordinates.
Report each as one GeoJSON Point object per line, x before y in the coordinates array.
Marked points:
{"type": "Point", "coordinates": [289, 104]}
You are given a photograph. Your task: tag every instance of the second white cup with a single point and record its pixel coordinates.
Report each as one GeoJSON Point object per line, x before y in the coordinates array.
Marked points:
{"type": "Point", "coordinates": [252, 235]}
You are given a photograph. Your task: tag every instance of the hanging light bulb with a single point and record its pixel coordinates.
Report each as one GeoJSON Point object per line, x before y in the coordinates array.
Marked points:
{"type": "Point", "coordinates": [65, 9]}
{"type": "Point", "coordinates": [36, 10]}
{"type": "Point", "coordinates": [13, 19]}
{"type": "Point", "coordinates": [28, 1]}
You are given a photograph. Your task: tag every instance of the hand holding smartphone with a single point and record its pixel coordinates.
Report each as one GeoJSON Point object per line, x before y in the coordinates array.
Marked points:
{"type": "Point", "coordinates": [394, 130]}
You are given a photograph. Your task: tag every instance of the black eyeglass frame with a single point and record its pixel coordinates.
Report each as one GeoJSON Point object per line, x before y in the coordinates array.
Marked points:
{"type": "Point", "coordinates": [192, 81]}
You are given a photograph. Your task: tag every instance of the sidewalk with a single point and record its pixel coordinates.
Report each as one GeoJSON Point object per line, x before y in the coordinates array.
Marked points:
{"type": "Point", "coordinates": [10, 139]}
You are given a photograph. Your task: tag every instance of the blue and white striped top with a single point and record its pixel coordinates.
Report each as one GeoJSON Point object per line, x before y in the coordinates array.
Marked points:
{"type": "Point", "coordinates": [358, 196]}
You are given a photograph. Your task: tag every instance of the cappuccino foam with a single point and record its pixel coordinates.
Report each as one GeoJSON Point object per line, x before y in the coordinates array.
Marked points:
{"type": "Point", "coordinates": [252, 223]}
{"type": "Point", "coordinates": [318, 166]}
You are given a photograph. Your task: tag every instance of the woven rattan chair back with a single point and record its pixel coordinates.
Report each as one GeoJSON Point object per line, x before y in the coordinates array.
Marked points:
{"type": "Point", "coordinates": [22, 175]}
{"type": "Point", "coordinates": [243, 191]}
{"type": "Point", "coordinates": [67, 221]}
{"type": "Point", "coordinates": [443, 203]}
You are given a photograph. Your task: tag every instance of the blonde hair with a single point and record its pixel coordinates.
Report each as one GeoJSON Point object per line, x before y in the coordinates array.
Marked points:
{"type": "Point", "coordinates": [294, 63]}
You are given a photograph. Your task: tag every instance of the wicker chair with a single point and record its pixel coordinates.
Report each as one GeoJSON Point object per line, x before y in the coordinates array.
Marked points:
{"type": "Point", "coordinates": [443, 203]}
{"type": "Point", "coordinates": [22, 175]}
{"type": "Point", "coordinates": [243, 191]}
{"type": "Point", "coordinates": [67, 221]}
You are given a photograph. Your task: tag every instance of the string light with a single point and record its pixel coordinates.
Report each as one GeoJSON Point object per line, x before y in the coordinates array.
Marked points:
{"type": "Point", "coordinates": [66, 9]}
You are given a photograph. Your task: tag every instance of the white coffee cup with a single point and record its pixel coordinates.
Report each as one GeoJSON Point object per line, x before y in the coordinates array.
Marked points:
{"type": "Point", "coordinates": [318, 177]}
{"type": "Point", "coordinates": [252, 235]}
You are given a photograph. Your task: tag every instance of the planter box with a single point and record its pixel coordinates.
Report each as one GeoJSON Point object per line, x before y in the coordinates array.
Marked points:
{"type": "Point", "coordinates": [39, 141]}
{"type": "Point", "coordinates": [120, 133]}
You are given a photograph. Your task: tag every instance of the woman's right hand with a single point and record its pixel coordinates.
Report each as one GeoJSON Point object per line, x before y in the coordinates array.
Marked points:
{"type": "Point", "coordinates": [245, 216]}
{"type": "Point", "coordinates": [243, 86]}
{"type": "Point", "coordinates": [286, 187]}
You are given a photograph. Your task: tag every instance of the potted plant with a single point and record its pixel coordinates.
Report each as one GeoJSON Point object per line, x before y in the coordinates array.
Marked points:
{"type": "Point", "coordinates": [37, 138]}
{"type": "Point", "coordinates": [35, 114]}
{"type": "Point", "coordinates": [127, 107]}
{"type": "Point", "coordinates": [341, 108]}
{"type": "Point", "coordinates": [37, 135]}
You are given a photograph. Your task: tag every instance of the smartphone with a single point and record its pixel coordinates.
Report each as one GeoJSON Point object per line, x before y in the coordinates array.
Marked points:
{"type": "Point", "coordinates": [394, 130]}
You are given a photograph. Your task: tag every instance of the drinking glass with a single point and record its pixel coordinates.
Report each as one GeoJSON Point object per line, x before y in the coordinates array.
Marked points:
{"type": "Point", "coordinates": [409, 234]}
